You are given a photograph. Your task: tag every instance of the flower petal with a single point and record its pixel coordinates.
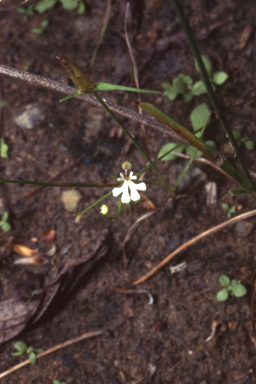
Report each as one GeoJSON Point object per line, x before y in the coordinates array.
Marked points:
{"type": "Point", "coordinates": [141, 186]}
{"type": "Point", "coordinates": [134, 194]}
{"type": "Point", "coordinates": [117, 191]}
{"type": "Point", "coordinates": [125, 196]}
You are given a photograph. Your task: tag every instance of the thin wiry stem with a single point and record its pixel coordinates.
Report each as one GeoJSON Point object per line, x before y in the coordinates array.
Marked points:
{"type": "Point", "coordinates": [62, 88]}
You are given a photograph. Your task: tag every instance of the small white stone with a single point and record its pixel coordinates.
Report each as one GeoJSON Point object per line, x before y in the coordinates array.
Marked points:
{"type": "Point", "coordinates": [30, 115]}
{"type": "Point", "coordinates": [71, 199]}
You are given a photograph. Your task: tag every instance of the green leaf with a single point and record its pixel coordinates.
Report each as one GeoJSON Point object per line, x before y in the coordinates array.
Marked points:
{"type": "Point", "coordinates": [6, 227]}
{"type": "Point", "coordinates": [166, 86]}
{"type": "Point", "coordinates": [167, 147]}
{"type": "Point", "coordinates": [187, 79]}
{"type": "Point", "coordinates": [20, 346]}
{"type": "Point", "coordinates": [191, 150]}
{"type": "Point", "coordinates": [113, 87]}
{"type": "Point", "coordinates": [81, 8]}
{"type": "Point", "coordinates": [234, 283]}
{"type": "Point", "coordinates": [249, 144]}
{"type": "Point", "coordinates": [4, 149]}
{"type": "Point", "coordinates": [199, 116]}
{"type": "Point", "coordinates": [239, 290]}
{"type": "Point", "coordinates": [178, 84]}
{"type": "Point", "coordinates": [69, 4]}
{"type": "Point", "coordinates": [219, 77]}
{"type": "Point", "coordinates": [37, 31]}
{"type": "Point", "coordinates": [32, 358]}
{"type": "Point", "coordinates": [44, 5]}
{"type": "Point", "coordinates": [171, 94]}
{"type": "Point", "coordinates": [44, 23]}
{"type": "Point", "coordinates": [207, 64]}
{"type": "Point", "coordinates": [225, 206]}
{"type": "Point", "coordinates": [222, 295]}
{"type": "Point", "coordinates": [224, 280]}
{"type": "Point", "coordinates": [188, 96]}
{"type": "Point", "coordinates": [237, 136]}
{"type": "Point", "coordinates": [198, 88]}
{"type": "Point", "coordinates": [232, 209]}
{"type": "Point", "coordinates": [17, 353]}
{"type": "Point", "coordinates": [38, 350]}
{"type": "Point", "coordinates": [5, 217]}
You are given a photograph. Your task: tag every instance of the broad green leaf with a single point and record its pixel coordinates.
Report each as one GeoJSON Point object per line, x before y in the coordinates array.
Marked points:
{"type": "Point", "coordinates": [187, 79]}
{"type": "Point", "coordinates": [44, 5]}
{"type": "Point", "coordinates": [239, 290]}
{"type": "Point", "coordinates": [81, 8]}
{"type": "Point", "coordinates": [113, 87]}
{"type": "Point", "coordinates": [198, 88]}
{"type": "Point", "coordinates": [219, 77]}
{"type": "Point", "coordinates": [225, 206]}
{"type": "Point", "coordinates": [69, 4]}
{"type": "Point", "coordinates": [222, 295]}
{"type": "Point", "coordinates": [4, 149]}
{"type": "Point", "coordinates": [232, 210]}
{"type": "Point", "coordinates": [188, 96]}
{"type": "Point", "coordinates": [237, 135]}
{"type": "Point", "coordinates": [199, 116]}
{"type": "Point", "coordinates": [44, 23]}
{"type": "Point", "coordinates": [179, 85]}
{"type": "Point", "coordinates": [224, 280]}
{"type": "Point", "coordinates": [234, 283]}
{"type": "Point", "coordinates": [20, 346]}
{"type": "Point", "coordinates": [207, 64]}
{"type": "Point", "coordinates": [166, 86]}
{"type": "Point", "coordinates": [190, 150]}
{"type": "Point", "coordinates": [32, 358]}
{"type": "Point", "coordinates": [38, 31]}
{"type": "Point", "coordinates": [249, 144]}
{"type": "Point", "coordinates": [171, 94]}
{"type": "Point", "coordinates": [38, 350]}
{"type": "Point", "coordinates": [6, 227]}
{"type": "Point", "coordinates": [167, 147]}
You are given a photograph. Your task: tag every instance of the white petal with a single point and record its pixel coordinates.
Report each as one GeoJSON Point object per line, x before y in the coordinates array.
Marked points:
{"type": "Point", "coordinates": [134, 194]}
{"type": "Point", "coordinates": [125, 196]}
{"type": "Point", "coordinates": [141, 186]}
{"type": "Point", "coordinates": [122, 175]}
{"type": "Point", "coordinates": [117, 191]}
{"type": "Point", "coordinates": [132, 177]}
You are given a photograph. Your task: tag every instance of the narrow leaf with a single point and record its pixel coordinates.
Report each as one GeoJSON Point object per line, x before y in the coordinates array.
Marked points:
{"type": "Point", "coordinates": [112, 87]}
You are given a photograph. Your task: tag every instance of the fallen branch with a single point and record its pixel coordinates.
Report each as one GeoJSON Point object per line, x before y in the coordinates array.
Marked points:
{"type": "Point", "coordinates": [193, 241]}
{"type": "Point", "coordinates": [53, 349]}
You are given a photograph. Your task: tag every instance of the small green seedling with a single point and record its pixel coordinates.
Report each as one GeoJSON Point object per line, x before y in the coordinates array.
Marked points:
{"type": "Point", "coordinates": [23, 349]}
{"type": "Point", "coordinates": [183, 84]}
{"type": "Point", "coordinates": [3, 149]}
{"type": "Point", "coordinates": [249, 144]}
{"type": "Point", "coordinates": [3, 223]}
{"type": "Point", "coordinates": [43, 25]}
{"type": "Point", "coordinates": [230, 210]}
{"type": "Point", "coordinates": [58, 382]}
{"type": "Point", "coordinates": [233, 287]}
{"type": "Point", "coordinates": [29, 11]}
{"type": "Point", "coordinates": [44, 5]}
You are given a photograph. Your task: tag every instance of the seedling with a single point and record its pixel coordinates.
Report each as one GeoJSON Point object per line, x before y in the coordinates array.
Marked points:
{"type": "Point", "coordinates": [249, 144]}
{"type": "Point", "coordinates": [58, 382]}
{"type": "Point", "coordinates": [44, 5]}
{"type": "Point", "coordinates": [230, 210]}
{"type": "Point", "coordinates": [23, 349]}
{"type": "Point", "coordinates": [40, 30]}
{"type": "Point", "coordinates": [4, 149]}
{"type": "Point", "coordinates": [183, 84]}
{"type": "Point", "coordinates": [233, 287]}
{"type": "Point", "coordinates": [29, 11]}
{"type": "Point", "coordinates": [3, 223]}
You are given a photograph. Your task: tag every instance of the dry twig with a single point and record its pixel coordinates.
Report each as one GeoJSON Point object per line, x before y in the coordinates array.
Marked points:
{"type": "Point", "coordinates": [193, 241]}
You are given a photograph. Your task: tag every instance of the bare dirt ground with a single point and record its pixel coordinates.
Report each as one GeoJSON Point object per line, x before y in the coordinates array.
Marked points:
{"type": "Point", "coordinates": [164, 342]}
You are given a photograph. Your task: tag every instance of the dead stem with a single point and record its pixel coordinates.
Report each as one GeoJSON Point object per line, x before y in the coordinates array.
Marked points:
{"type": "Point", "coordinates": [193, 241]}
{"type": "Point", "coordinates": [53, 349]}
{"type": "Point", "coordinates": [136, 76]}
{"type": "Point", "coordinates": [55, 86]}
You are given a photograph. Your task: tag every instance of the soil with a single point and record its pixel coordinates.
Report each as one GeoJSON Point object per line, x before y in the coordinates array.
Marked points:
{"type": "Point", "coordinates": [164, 342]}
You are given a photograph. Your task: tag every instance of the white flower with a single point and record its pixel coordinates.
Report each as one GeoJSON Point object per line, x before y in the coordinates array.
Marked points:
{"type": "Point", "coordinates": [128, 184]}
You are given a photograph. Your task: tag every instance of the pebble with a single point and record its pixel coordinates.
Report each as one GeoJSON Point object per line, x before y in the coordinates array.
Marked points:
{"type": "Point", "coordinates": [71, 199]}
{"type": "Point", "coordinates": [243, 228]}
{"type": "Point", "coordinates": [28, 116]}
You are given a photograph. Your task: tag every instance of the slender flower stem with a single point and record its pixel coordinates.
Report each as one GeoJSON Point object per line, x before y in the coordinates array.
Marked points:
{"type": "Point", "coordinates": [193, 46]}
{"type": "Point", "coordinates": [132, 139]}
{"type": "Point", "coordinates": [45, 183]}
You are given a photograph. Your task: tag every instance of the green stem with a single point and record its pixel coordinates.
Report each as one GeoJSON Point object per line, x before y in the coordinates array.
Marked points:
{"type": "Point", "coordinates": [132, 139]}
{"type": "Point", "coordinates": [99, 185]}
{"type": "Point", "coordinates": [93, 205]}
{"type": "Point", "coordinates": [193, 46]}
